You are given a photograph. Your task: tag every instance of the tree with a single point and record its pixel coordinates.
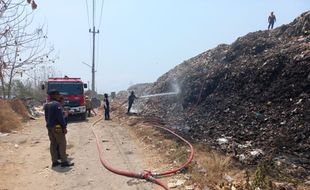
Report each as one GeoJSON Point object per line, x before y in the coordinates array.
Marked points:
{"type": "Point", "coordinates": [32, 3]}
{"type": "Point", "coordinates": [22, 90]}
{"type": "Point", "coordinates": [22, 47]}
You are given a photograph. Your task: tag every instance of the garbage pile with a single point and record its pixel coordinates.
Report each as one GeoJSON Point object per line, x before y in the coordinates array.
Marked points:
{"type": "Point", "coordinates": [140, 89]}
{"type": "Point", "coordinates": [34, 109]}
{"type": "Point", "coordinates": [249, 99]}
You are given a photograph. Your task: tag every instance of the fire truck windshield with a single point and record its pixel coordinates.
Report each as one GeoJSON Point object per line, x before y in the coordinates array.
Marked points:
{"type": "Point", "coordinates": [66, 88]}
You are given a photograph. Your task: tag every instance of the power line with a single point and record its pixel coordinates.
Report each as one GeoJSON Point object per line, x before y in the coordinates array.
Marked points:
{"type": "Point", "coordinates": [86, 3]}
{"type": "Point", "coordinates": [87, 10]}
{"type": "Point", "coordinates": [100, 20]}
{"type": "Point", "coordinates": [90, 43]}
{"type": "Point", "coordinates": [98, 48]}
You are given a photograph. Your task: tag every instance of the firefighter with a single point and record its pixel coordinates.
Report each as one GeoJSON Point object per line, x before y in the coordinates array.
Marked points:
{"type": "Point", "coordinates": [271, 20]}
{"type": "Point", "coordinates": [65, 110]}
{"type": "Point", "coordinates": [66, 116]}
{"type": "Point", "coordinates": [106, 106]}
{"type": "Point", "coordinates": [131, 99]}
{"type": "Point", "coordinates": [89, 106]}
{"type": "Point", "coordinates": [57, 129]}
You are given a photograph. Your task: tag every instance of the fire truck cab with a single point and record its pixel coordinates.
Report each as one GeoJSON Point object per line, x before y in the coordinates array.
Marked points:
{"type": "Point", "coordinates": [72, 90]}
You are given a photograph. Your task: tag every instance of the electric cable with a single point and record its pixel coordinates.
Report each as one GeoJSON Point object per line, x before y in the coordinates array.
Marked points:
{"type": "Point", "coordinates": [86, 4]}
{"type": "Point", "coordinates": [101, 11]}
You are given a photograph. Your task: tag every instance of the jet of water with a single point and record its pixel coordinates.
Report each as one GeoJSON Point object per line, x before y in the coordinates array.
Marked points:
{"type": "Point", "coordinates": [160, 94]}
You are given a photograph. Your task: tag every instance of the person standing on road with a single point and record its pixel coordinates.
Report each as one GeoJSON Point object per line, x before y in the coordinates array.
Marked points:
{"type": "Point", "coordinates": [106, 106]}
{"type": "Point", "coordinates": [271, 20]}
{"type": "Point", "coordinates": [131, 99]}
{"type": "Point", "coordinates": [89, 106]}
{"type": "Point", "coordinates": [57, 129]}
{"type": "Point", "coordinates": [65, 111]}
{"type": "Point", "coordinates": [66, 116]}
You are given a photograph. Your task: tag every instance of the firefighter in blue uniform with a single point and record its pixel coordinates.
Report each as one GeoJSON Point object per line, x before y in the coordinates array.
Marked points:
{"type": "Point", "coordinates": [131, 99]}
{"type": "Point", "coordinates": [57, 129]}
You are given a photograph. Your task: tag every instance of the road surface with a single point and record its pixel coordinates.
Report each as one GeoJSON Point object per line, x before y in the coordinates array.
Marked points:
{"type": "Point", "coordinates": [25, 159]}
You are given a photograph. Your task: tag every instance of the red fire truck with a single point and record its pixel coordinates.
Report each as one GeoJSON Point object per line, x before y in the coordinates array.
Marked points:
{"type": "Point", "coordinates": [72, 90]}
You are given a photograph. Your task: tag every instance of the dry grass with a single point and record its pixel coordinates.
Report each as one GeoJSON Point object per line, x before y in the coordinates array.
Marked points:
{"type": "Point", "coordinates": [19, 107]}
{"type": "Point", "coordinates": [210, 168]}
{"type": "Point", "coordinates": [9, 120]}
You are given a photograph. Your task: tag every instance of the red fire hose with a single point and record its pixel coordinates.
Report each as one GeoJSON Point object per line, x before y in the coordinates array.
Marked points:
{"type": "Point", "coordinates": [147, 175]}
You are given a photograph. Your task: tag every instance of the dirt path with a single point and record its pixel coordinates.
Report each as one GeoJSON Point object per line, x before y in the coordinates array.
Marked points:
{"type": "Point", "coordinates": [25, 160]}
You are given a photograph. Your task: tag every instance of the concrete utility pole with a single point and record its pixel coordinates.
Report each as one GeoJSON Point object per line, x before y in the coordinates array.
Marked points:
{"type": "Point", "coordinates": [94, 32]}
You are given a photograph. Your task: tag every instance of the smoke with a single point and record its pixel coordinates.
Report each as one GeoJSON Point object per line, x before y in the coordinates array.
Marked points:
{"type": "Point", "coordinates": [176, 87]}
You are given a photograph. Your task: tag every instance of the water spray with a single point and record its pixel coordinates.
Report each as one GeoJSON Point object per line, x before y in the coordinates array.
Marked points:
{"type": "Point", "coordinates": [175, 88]}
{"type": "Point", "coordinates": [160, 94]}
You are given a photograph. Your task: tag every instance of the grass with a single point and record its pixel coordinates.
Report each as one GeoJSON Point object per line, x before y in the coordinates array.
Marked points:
{"type": "Point", "coordinates": [210, 168]}
{"type": "Point", "coordinates": [176, 153]}
{"type": "Point", "coordinates": [19, 107]}
{"type": "Point", "coordinates": [9, 120]}
{"type": "Point", "coordinates": [214, 164]}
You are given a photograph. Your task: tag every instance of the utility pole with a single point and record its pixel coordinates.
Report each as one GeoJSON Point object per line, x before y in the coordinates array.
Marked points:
{"type": "Point", "coordinates": [94, 32]}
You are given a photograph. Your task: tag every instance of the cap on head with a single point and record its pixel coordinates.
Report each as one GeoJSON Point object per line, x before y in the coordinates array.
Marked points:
{"type": "Point", "coordinates": [106, 95]}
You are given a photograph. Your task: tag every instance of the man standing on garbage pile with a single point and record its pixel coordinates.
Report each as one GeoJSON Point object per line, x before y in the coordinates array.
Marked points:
{"type": "Point", "coordinates": [131, 99]}
{"type": "Point", "coordinates": [57, 129]}
{"type": "Point", "coordinates": [271, 20]}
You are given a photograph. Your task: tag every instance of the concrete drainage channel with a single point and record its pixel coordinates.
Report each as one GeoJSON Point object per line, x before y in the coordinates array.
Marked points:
{"type": "Point", "coordinates": [145, 174]}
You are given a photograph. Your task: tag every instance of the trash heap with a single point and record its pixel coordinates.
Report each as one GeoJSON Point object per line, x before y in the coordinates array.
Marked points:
{"type": "Point", "coordinates": [140, 89]}
{"type": "Point", "coordinates": [249, 99]}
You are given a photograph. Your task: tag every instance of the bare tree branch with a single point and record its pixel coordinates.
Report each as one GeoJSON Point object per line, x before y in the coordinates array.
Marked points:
{"type": "Point", "coordinates": [22, 48]}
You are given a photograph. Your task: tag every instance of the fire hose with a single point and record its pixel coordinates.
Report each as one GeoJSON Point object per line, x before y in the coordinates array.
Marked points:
{"type": "Point", "coordinates": [145, 174]}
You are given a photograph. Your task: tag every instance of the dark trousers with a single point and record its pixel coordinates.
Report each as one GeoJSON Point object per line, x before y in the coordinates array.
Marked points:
{"type": "Point", "coordinates": [88, 112]}
{"type": "Point", "coordinates": [270, 26]}
{"type": "Point", "coordinates": [106, 113]}
{"type": "Point", "coordinates": [58, 145]}
{"type": "Point", "coordinates": [129, 106]}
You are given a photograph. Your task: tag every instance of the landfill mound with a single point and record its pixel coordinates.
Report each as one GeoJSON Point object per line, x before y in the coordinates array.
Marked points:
{"type": "Point", "coordinates": [140, 89]}
{"type": "Point", "coordinates": [249, 99]}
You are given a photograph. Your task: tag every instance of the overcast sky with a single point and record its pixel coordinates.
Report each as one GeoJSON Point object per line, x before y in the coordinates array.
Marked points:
{"type": "Point", "coordinates": [140, 40]}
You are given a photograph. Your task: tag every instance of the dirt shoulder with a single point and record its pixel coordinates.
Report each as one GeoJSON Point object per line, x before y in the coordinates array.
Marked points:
{"type": "Point", "coordinates": [25, 160]}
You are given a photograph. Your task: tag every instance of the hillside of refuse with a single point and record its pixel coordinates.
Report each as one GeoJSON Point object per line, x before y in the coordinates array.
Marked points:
{"type": "Point", "coordinates": [250, 99]}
